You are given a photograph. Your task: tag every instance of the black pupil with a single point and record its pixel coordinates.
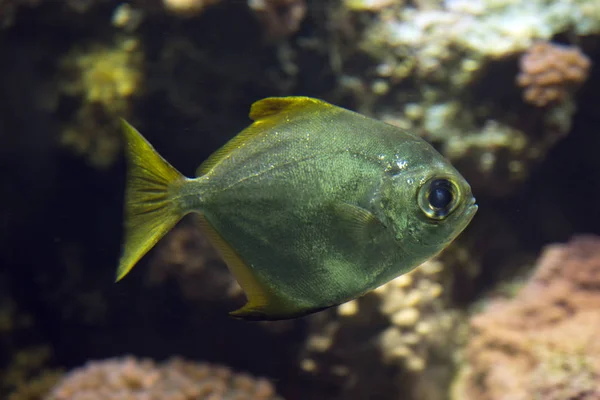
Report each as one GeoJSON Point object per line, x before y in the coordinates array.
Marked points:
{"type": "Point", "coordinates": [440, 195]}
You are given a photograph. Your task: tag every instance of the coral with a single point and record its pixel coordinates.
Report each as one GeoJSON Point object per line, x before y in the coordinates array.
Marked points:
{"type": "Point", "coordinates": [103, 78]}
{"type": "Point", "coordinates": [129, 378]}
{"type": "Point", "coordinates": [280, 18]}
{"type": "Point", "coordinates": [188, 7]}
{"type": "Point", "coordinates": [446, 70]}
{"type": "Point", "coordinates": [404, 328]}
{"type": "Point", "coordinates": [419, 319]}
{"type": "Point", "coordinates": [549, 72]}
{"type": "Point", "coordinates": [541, 344]}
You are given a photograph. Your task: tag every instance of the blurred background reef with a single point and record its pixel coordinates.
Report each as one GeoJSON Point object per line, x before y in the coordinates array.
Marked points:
{"type": "Point", "coordinates": [508, 90]}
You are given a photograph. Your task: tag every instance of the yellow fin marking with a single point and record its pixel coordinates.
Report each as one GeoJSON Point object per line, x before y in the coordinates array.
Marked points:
{"type": "Point", "coordinates": [150, 210]}
{"type": "Point", "coordinates": [265, 113]}
{"type": "Point", "coordinates": [276, 105]}
{"type": "Point", "coordinates": [257, 298]}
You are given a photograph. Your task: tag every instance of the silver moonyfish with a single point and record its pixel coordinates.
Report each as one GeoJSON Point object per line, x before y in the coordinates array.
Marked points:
{"type": "Point", "coordinates": [310, 206]}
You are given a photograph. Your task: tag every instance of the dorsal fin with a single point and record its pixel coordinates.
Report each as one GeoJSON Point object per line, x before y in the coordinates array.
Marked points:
{"type": "Point", "coordinates": [276, 105]}
{"type": "Point", "coordinates": [265, 113]}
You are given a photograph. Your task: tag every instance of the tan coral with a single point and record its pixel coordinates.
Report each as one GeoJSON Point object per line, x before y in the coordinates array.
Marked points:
{"type": "Point", "coordinates": [129, 379]}
{"type": "Point", "coordinates": [550, 72]}
{"type": "Point", "coordinates": [419, 318]}
{"type": "Point", "coordinates": [543, 343]}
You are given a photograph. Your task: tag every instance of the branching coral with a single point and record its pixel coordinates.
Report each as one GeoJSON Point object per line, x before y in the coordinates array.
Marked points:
{"type": "Point", "coordinates": [103, 78]}
{"type": "Point", "coordinates": [550, 72]}
{"type": "Point", "coordinates": [128, 378]}
{"type": "Point", "coordinates": [543, 343]}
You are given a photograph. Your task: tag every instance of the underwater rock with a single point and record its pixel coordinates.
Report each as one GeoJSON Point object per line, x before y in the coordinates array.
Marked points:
{"type": "Point", "coordinates": [447, 69]}
{"type": "Point", "coordinates": [391, 343]}
{"type": "Point", "coordinates": [128, 378]}
{"type": "Point", "coordinates": [543, 342]}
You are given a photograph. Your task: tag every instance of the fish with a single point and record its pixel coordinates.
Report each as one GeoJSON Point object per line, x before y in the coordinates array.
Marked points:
{"type": "Point", "coordinates": [310, 206]}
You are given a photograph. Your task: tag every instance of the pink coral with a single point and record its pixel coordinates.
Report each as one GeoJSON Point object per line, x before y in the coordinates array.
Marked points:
{"type": "Point", "coordinates": [543, 343]}
{"type": "Point", "coordinates": [130, 379]}
{"type": "Point", "coordinates": [549, 72]}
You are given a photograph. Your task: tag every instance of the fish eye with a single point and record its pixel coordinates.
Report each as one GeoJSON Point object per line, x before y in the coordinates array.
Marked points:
{"type": "Point", "coordinates": [438, 197]}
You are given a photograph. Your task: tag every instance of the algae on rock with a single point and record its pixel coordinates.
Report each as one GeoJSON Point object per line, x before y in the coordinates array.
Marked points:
{"type": "Point", "coordinates": [447, 71]}
{"type": "Point", "coordinates": [103, 78]}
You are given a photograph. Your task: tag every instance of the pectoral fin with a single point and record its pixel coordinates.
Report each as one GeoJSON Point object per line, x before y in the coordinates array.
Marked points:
{"type": "Point", "coordinates": [358, 223]}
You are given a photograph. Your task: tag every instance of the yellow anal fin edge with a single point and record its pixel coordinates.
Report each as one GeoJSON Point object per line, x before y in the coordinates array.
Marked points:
{"type": "Point", "coordinates": [260, 303]}
{"type": "Point", "coordinates": [265, 113]}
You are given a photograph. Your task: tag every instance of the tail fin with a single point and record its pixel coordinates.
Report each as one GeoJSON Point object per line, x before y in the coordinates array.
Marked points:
{"type": "Point", "coordinates": [150, 206]}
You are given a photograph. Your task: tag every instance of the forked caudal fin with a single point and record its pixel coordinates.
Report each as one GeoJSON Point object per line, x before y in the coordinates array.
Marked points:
{"type": "Point", "coordinates": [151, 207]}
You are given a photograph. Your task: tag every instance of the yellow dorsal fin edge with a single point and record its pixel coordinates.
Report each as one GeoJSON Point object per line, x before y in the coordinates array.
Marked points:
{"type": "Point", "coordinates": [264, 113]}
{"type": "Point", "coordinates": [276, 105]}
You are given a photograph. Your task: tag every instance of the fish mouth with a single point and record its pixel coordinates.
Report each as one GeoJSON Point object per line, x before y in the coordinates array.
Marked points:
{"type": "Point", "coordinates": [472, 207]}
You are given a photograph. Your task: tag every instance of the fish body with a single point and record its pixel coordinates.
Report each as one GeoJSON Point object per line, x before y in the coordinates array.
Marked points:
{"type": "Point", "coordinates": [311, 206]}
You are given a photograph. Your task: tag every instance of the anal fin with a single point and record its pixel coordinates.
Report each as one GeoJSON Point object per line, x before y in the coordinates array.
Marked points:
{"type": "Point", "coordinates": [260, 301]}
